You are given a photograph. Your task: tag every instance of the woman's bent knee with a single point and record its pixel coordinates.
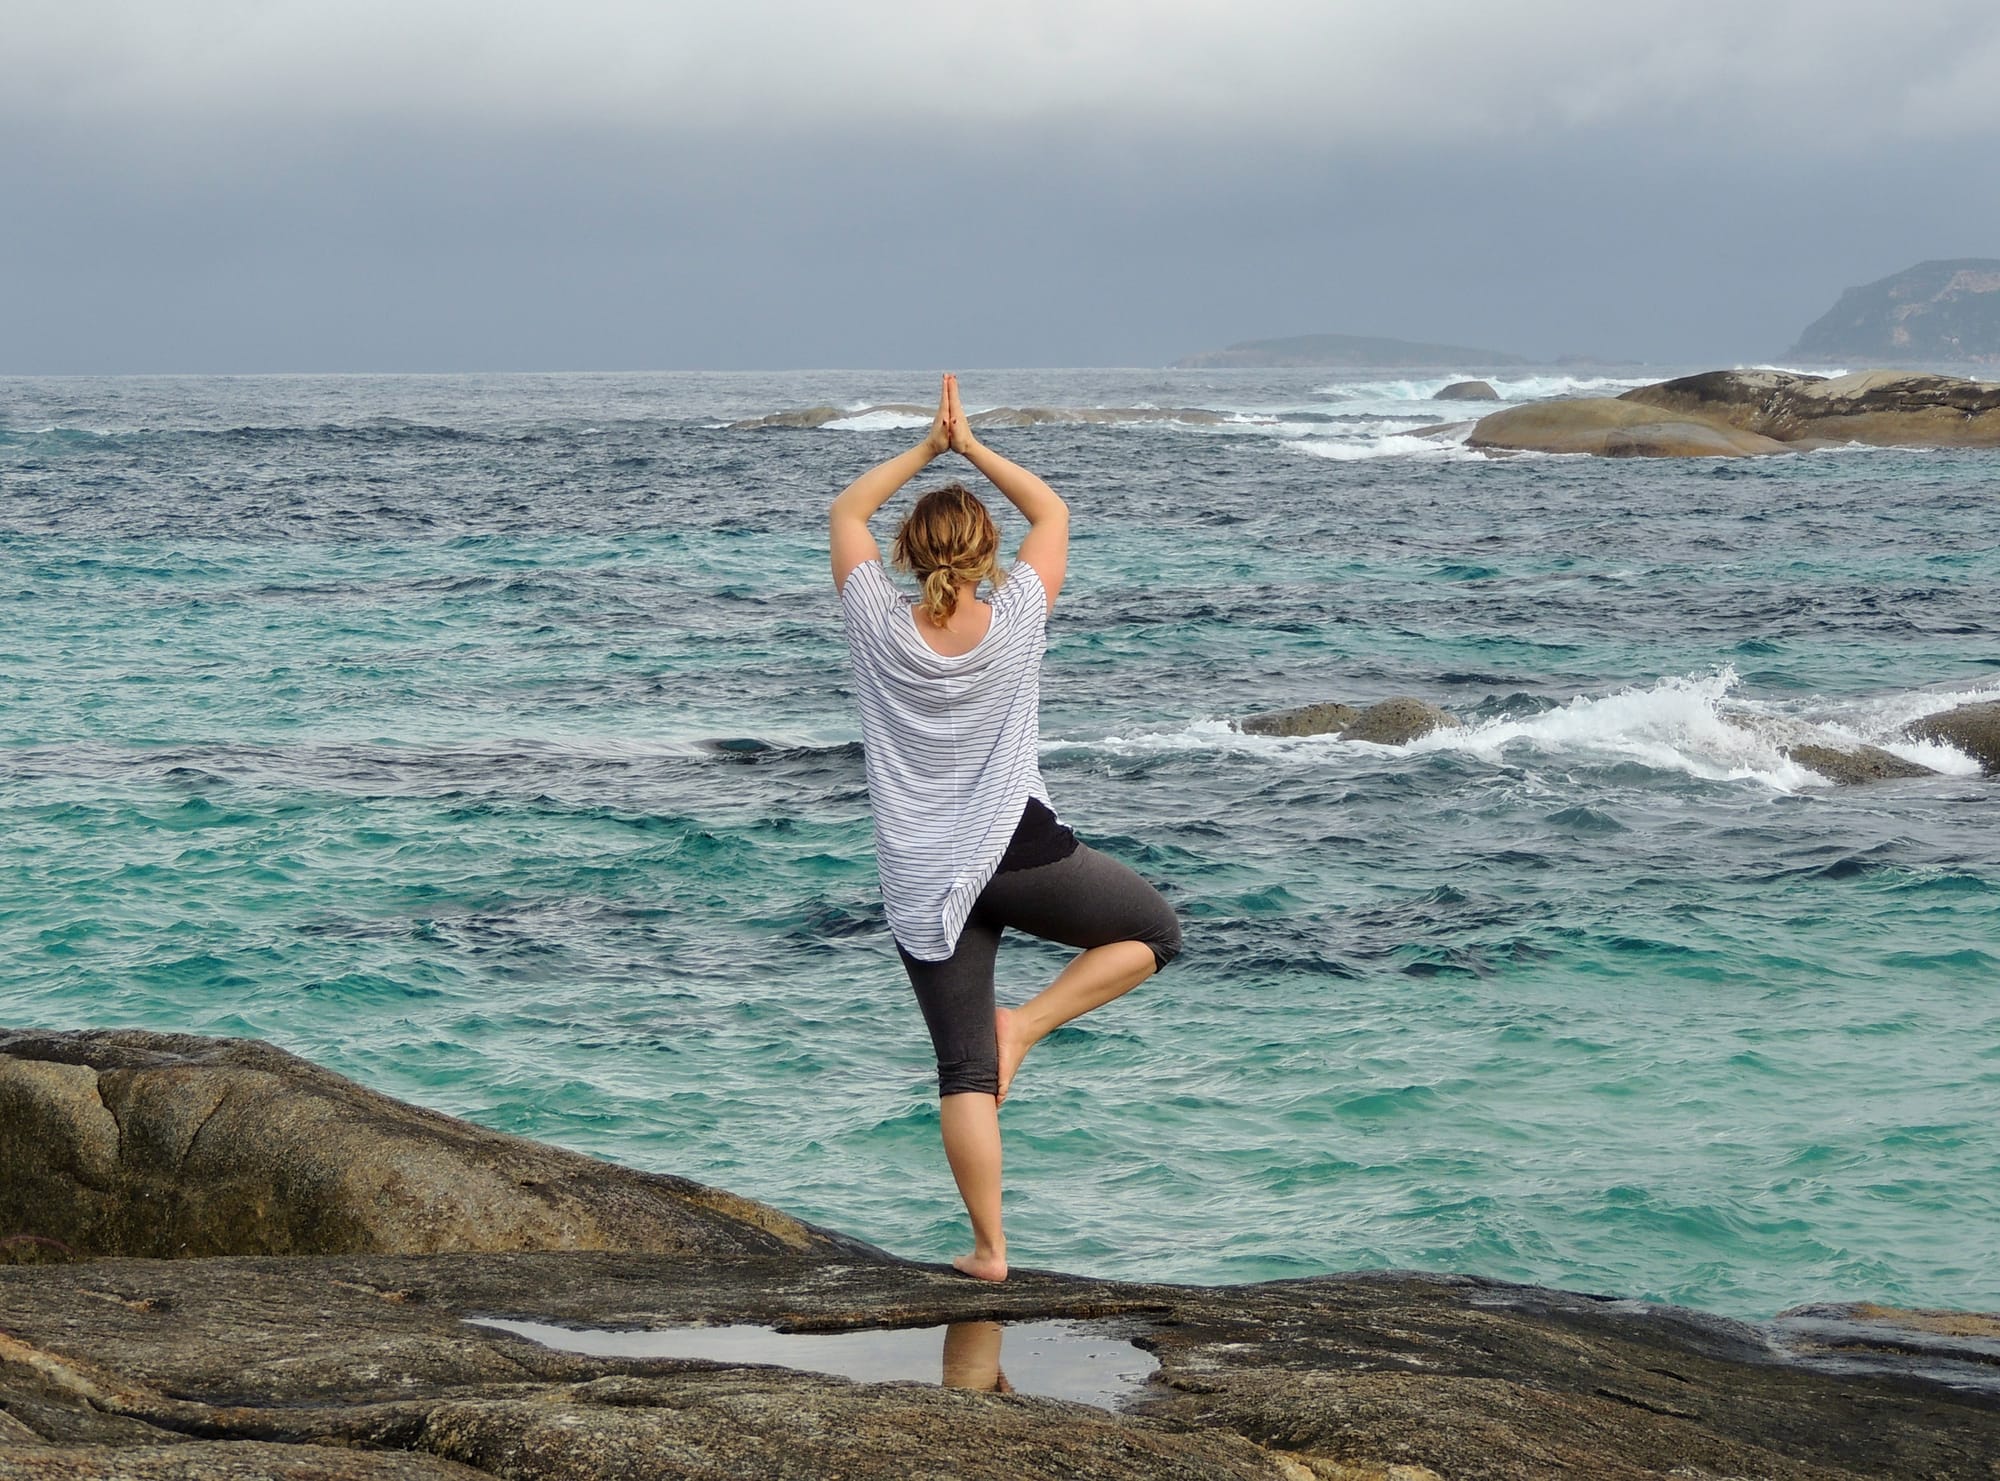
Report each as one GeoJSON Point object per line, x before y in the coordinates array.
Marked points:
{"type": "Point", "coordinates": [977, 1076]}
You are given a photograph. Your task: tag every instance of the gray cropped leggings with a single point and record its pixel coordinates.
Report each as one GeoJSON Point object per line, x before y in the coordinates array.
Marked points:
{"type": "Point", "coordinates": [1087, 899]}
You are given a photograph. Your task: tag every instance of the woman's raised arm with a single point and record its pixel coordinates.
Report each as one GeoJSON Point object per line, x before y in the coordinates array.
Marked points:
{"type": "Point", "coordinates": [848, 536]}
{"type": "Point", "coordinates": [1046, 545]}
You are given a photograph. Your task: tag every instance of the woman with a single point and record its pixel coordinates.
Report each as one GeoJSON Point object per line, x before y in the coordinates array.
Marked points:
{"type": "Point", "coordinates": [967, 842]}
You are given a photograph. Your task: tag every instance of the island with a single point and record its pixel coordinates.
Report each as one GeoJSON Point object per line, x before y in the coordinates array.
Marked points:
{"type": "Point", "coordinates": [1342, 352]}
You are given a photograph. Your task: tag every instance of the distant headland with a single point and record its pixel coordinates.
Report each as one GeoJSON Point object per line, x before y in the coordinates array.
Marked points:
{"type": "Point", "coordinates": [1936, 312]}
{"type": "Point", "coordinates": [1341, 351]}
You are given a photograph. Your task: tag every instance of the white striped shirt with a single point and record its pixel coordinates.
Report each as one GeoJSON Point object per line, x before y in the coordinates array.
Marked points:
{"type": "Point", "coordinates": [951, 747]}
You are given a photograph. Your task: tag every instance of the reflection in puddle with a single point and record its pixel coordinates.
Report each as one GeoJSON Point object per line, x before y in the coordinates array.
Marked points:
{"type": "Point", "coordinates": [1082, 1361]}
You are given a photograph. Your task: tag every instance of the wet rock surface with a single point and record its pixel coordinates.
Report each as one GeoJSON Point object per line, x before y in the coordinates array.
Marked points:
{"type": "Point", "coordinates": [1397, 722]}
{"type": "Point", "coordinates": [114, 1364]}
{"type": "Point", "coordinates": [370, 1365]}
{"type": "Point", "coordinates": [1467, 391]}
{"type": "Point", "coordinates": [1606, 427]}
{"type": "Point", "coordinates": [1851, 765]}
{"type": "Point", "coordinates": [134, 1143]}
{"type": "Point", "coordinates": [1879, 407]}
{"type": "Point", "coordinates": [1973, 729]}
{"type": "Point", "coordinates": [1329, 718]}
{"type": "Point", "coordinates": [1390, 722]}
{"type": "Point", "coordinates": [1739, 413]}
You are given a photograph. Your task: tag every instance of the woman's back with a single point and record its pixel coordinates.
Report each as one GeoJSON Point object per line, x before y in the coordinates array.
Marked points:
{"type": "Point", "coordinates": [951, 746]}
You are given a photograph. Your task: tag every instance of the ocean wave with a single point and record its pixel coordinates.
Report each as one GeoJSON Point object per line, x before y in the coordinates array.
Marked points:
{"type": "Point", "coordinates": [1680, 724]}
{"type": "Point", "coordinates": [1390, 445]}
{"type": "Point", "coordinates": [1508, 388]}
{"type": "Point", "coordinates": [899, 415]}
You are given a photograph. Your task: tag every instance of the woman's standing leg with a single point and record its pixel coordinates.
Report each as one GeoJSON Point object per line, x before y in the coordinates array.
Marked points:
{"type": "Point", "coordinates": [956, 996]}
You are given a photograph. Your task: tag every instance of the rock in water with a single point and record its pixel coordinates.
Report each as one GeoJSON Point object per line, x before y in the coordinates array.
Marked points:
{"type": "Point", "coordinates": [1934, 312]}
{"type": "Point", "coordinates": [1883, 408]}
{"type": "Point", "coordinates": [1612, 428]}
{"type": "Point", "coordinates": [1317, 719]}
{"type": "Point", "coordinates": [122, 1142]}
{"type": "Point", "coordinates": [1396, 722]}
{"type": "Point", "coordinates": [1850, 764]}
{"type": "Point", "coordinates": [1973, 729]}
{"type": "Point", "coordinates": [1467, 391]}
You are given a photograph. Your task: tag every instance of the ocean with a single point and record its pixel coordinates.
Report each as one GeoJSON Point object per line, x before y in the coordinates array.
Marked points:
{"type": "Point", "coordinates": [488, 739]}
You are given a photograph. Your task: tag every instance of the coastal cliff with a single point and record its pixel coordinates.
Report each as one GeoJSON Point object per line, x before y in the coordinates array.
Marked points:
{"type": "Point", "coordinates": [1944, 311]}
{"type": "Point", "coordinates": [357, 1359]}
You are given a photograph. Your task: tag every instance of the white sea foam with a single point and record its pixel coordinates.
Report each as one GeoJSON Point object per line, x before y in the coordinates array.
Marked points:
{"type": "Point", "coordinates": [1508, 388]}
{"type": "Point", "coordinates": [1826, 370]}
{"type": "Point", "coordinates": [878, 421]}
{"type": "Point", "coordinates": [1687, 724]}
{"type": "Point", "coordinates": [1387, 445]}
{"type": "Point", "coordinates": [1675, 724]}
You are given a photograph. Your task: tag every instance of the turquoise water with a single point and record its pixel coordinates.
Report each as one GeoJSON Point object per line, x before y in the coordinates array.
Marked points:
{"type": "Point", "coordinates": [487, 739]}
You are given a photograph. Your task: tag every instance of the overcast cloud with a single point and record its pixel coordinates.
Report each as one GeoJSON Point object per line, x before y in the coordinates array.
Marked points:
{"type": "Point", "coordinates": [435, 184]}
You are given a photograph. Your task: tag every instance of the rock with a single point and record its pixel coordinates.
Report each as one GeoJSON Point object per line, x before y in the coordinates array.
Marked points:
{"type": "Point", "coordinates": [1850, 764]}
{"type": "Point", "coordinates": [1614, 428]}
{"type": "Point", "coordinates": [1393, 722]}
{"type": "Point", "coordinates": [811, 416]}
{"type": "Point", "coordinates": [366, 1362]}
{"type": "Point", "coordinates": [1314, 719]}
{"type": "Point", "coordinates": [229, 1368]}
{"type": "Point", "coordinates": [1396, 722]}
{"type": "Point", "coordinates": [133, 1143]}
{"type": "Point", "coordinates": [1973, 729]}
{"type": "Point", "coordinates": [998, 416]}
{"type": "Point", "coordinates": [1882, 408]}
{"type": "Point", "coordinates": [1467, 391]}
{"type": "Point", "coordinates": [1034, 416]}
{"type": "Point", "coordinates": [1934, 312]}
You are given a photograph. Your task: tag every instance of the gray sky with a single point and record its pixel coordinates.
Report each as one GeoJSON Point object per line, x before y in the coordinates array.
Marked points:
{"type": "Point", "coordinates": [257, 185]}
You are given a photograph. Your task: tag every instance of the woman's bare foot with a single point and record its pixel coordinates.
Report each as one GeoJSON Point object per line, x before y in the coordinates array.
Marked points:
{"type": "Point", "coordinates": [1012, 1050]}
{"type": "Point", "coordinates": [991, 1265]}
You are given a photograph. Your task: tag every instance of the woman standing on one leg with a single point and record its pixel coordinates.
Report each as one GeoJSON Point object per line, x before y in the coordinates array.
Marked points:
{"type": "Point", "coordinates": [966, 839]}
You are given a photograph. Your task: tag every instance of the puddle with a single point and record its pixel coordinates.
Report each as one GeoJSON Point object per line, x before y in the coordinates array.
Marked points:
{"type": "Point", "coordinates": [1082, 1361]}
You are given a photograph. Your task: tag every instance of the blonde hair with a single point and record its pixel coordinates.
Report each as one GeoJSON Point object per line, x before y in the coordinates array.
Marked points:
{"type": "Point", "coordinates": [948, 540]}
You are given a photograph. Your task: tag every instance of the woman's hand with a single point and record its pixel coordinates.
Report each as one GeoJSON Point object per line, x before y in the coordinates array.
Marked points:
{"type": "Point", "coordinates": [939, 440]}
{"type": "Point", "coordinates": [960, 430]}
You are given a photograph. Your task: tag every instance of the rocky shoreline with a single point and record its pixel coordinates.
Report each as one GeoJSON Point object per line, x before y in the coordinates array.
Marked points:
{"type": "Point", "coordinates": [301, 1335]}
{"type": "Point", "coordinates": [1748, 413]}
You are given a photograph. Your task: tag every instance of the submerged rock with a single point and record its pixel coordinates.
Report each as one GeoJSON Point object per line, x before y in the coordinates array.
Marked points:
{"type": "Point", "coordinates": [1397, 722]}
{"type": "Point", "coordinates": [1851, 764]}
{"type": "Point", "coordinates": [1468, 391]}
{"type": "Point", "coordinates": [123, 1142]}
{"type": "Point", "coordinates": [1973, 729]}
{"type": "Point", "coordinates": [1392, 722]}
{"type": "Point", "coordinates": [1314, 719]}
{"type": "Point", "coordinates": [1607, 427]}
{"type": "Point", "coordinates": [998, 416]}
